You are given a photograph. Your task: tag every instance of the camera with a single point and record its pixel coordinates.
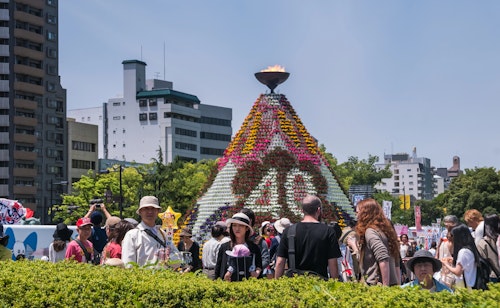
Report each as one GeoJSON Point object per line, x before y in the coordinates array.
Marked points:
{"type": "Point", "coordinates": [97, 202]}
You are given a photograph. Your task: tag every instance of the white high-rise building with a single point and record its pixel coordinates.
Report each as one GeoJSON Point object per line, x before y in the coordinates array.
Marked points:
{"type": "Point", "coordinates": [152, 116]}
{"type": "Point", "coordinates": [411, 175]}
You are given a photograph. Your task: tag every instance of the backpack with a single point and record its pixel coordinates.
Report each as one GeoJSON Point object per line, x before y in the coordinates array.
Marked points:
{"type": "Point", "coordinates": [483, 274]}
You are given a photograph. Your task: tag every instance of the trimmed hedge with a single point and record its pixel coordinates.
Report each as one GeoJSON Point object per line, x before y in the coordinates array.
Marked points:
{"type": "Point", "coordinates": [69, 284]}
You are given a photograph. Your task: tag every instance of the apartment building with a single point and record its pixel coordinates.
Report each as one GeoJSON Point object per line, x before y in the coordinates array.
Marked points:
{"type": "Point", "coordinates": [151, 116]}
{"type": "Point", "coordinates": [411, 175]}
{"type": "Point", "coordinates": [33, 136]}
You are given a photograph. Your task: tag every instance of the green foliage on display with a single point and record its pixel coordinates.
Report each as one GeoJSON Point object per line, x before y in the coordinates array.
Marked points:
{"type": "Point", "coordinates": [69, 284]}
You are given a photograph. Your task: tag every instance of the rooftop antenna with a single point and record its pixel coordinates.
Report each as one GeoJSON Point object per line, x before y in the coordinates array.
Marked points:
{"type": "Point", "coordinates": [141, 52]}
{"type": "Point", "coordinates": [164, 78]}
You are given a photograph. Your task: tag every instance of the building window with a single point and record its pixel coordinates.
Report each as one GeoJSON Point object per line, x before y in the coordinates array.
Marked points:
{"type": "Point", "coordinates": [153, 116]}
{"type": "Point", "coordinates": [117, 118]}
{"type": "Point", "coordinates": [215, 121]}
{"type": "Point", "coordinates": [152, 102]}
{"type": "Point", "coordinates": [185, 132]}
{"type": "Point", "coordinates": [51, 19]}
{"type": "Point", "coordinates": [116, 104]}
{"type": "Point", "coordinates": [51, 70]}
{"type": "Point", "coordinates": [143, 116]}
{"type": "Point", "coordinates": [215, 136]}
{"type": "Point", "coordinates": [51, 36]}
{"type": "Point", "coordinates": [83, 146]}
{"type": "Point", "coordinates": [51, 53]}
{"type": "Point", "coordinates": [82, 164]}
{"type": "Point", "coordinates": [186, 146]}
{"type": "Point", "coordinates": [180, 117]}
{"type": "Point", "coordinates": [143, 103]}
{"type": "Point", "coordinates": [212, 151]}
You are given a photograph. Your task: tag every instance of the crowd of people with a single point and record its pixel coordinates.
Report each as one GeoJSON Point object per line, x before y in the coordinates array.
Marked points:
{"type": "Point", "coordinates": [367, 250]}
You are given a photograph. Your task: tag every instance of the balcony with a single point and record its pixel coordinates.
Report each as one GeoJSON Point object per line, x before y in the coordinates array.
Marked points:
{"type": "Point", "coordinates": [29, 53]}
{"type": "Point", "coordinates": [25, 138]}
{"type": "Point", "coordinates": [18, 120]}
{"type": "Point", "coordinates": [28, 35]}
{"type": "Point", "coordinates": [29, 70]}
{"type": "Point", "coordinates": [28, 87]}
{"type": "Point", "coordinates": [24, 190]}
{"type": "Point", "coordinates": [24, 155]}
{"type": "Point", "coordinates": [39, 4]}
{"type": "Point", "coordinates": [25, 104]}
{"type": "Point", "coordinates": [26, 17]}
{"type": "Point", "coordinates": [24, 172]}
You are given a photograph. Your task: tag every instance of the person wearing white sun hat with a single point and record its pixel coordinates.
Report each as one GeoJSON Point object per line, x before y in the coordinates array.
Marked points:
{"type": "Point", "coordinates": [146, 244]}
{"type": "Point", "coordinates": [239, 231]}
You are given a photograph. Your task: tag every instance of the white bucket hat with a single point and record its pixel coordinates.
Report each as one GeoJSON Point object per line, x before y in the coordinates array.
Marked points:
{"type": "Point", "coordinates": [148, 201]}
{"type": "Point", "coordinates": [239, 218]}
{"type": "Point", "coordinates": [281, 224]}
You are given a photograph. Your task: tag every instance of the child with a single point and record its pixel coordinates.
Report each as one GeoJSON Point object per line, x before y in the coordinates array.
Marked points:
{"type": "Point", "coordinates": [239, 262]}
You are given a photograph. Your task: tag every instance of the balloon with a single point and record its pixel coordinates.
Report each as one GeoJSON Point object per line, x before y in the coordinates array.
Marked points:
{"type": "Point", "coordinates": [169, 219]}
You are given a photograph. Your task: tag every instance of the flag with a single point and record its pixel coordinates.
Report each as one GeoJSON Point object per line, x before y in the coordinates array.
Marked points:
{"type": "Point", "coordinates": [418, 217]}
{"type": "Point", "coordinates": [387, 207]}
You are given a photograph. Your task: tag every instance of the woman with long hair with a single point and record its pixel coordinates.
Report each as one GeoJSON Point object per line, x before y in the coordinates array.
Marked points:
{"type": "Point", "coordinates": [465, 257]}
{"type": "Point", "coordinates": [487, 245]}
{"type": "Point", "coordinates": [239, 232]}
{"type": "Point", "coordinates": [116, 232]}
{"type": "Point", "coordinates": [379, 245]}
{"type": "Point", "coordinates": [57, 249]}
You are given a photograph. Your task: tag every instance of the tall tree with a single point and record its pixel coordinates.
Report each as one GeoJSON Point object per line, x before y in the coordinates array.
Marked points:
{"type": "Point", "coordinates": [357, 171]}
{"type": "Point", "coordinates": [477, 188]}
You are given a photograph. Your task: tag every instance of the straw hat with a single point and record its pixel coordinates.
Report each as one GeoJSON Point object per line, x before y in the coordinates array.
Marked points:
{"type": "Point", "coordinates": [239, 218]}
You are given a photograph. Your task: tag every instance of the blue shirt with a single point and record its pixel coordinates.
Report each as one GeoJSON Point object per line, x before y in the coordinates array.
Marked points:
{"type": "Point", "coordinates": [439, 286]}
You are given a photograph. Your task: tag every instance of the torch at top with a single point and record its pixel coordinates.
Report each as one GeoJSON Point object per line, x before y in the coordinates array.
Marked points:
{"type": "Point", "coordinates": [272, 76]}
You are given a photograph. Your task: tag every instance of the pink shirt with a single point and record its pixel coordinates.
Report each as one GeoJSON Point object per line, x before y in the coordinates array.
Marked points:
{"type": "Point", "coordinates": [74, 251]}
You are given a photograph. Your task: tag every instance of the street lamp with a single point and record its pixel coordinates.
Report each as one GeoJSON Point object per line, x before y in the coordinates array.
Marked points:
{"type": "Point", "coordinates": [121, 189]}
{"type": "Point", "coordinates": [52, 196]}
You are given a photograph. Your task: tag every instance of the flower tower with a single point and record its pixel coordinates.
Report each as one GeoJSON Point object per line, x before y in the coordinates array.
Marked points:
{"type": "Point", "coordinates": [269, 166]}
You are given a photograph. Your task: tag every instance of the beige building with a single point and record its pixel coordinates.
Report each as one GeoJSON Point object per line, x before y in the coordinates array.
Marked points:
{"type": "Point", "coordinates": [82, 150]}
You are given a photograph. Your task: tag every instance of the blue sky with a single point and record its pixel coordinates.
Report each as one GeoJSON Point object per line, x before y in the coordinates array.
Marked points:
{"type": "Point", "coordinates": [367, 77]}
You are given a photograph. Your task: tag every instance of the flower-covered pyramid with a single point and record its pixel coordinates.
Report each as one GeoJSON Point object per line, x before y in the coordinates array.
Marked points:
{"type": "Point", "coordinates": [269, 166]}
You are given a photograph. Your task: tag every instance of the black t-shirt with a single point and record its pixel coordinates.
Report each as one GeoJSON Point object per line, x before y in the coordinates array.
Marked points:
{"type": "Point", "coordinates": [315, 244]}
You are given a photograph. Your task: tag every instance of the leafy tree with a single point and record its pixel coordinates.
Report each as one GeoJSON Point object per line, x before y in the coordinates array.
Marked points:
{"type": "Point", "coordinates": [176, 184]}
{"type": "Point", "coordinates": [355, 171]}
{"type": "Point", "coordinates": [185, 184]}
{"type": "Point", "coordinates": [477, 188]}
{"type": "Point", "coordinates": [94, 185]}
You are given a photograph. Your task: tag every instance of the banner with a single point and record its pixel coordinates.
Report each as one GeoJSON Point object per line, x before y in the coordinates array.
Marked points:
{"type": "Point", "coordinates": [12, 212]}
{"type": "Point", "coordinates": [405, 202]}
{"type": "Point", "coordinates": [418, 217]}
{"type": "Point", "coordinates": [387, 207]}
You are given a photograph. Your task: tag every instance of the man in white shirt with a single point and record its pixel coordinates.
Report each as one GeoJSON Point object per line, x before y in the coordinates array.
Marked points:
{"type": "Point", "coordinates": [211, 248]}
{"type": "Point", "coordinates": [146, 244]}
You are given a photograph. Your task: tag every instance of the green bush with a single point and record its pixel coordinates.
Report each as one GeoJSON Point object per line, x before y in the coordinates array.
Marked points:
{"type": "Point", "coordinates": [69, 284]}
